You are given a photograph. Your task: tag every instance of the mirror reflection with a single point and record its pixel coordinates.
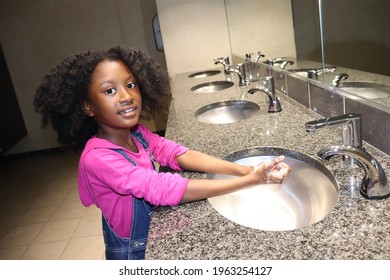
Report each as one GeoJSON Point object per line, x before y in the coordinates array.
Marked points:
{"type": "Point", "coordinates": [356, 34]}
{"type": "Point", "coordinates": [355, 40]}
{"type": "Point", "coordinates": [353, 32]}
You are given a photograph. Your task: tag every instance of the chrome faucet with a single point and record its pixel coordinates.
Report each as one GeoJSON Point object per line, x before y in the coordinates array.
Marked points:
{"type": "Point", "coordinates": [375, 184]}
{"type": "Point", "coordinates": [272, 61]}
{"type": "Point", "coordinates": [249, 60]}
{"type": "Point", "coordinates": [285, 63]}
{"type": "Point", "coordinates": [352, 129]}
{"type": "Point", "coordinates": [259, 55]}
{"type": "Point", "coordinates": [239, 69]}
{"type": "Point", "coordinates": [269, 90]}
{"type": "Point", "coordinates": [336, 81]}
{"type": "Point", "coordinates": [313, 73]}
{"type": "Point", "coordinates": [226, 63]}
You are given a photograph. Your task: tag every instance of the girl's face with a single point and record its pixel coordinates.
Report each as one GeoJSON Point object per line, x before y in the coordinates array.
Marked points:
{"type": "Point", "coordinates": [114, 99]}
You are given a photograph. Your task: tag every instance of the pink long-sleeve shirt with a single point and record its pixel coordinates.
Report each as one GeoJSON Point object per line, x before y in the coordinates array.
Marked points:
{"type": "Point", "coordinates": [108, 180]}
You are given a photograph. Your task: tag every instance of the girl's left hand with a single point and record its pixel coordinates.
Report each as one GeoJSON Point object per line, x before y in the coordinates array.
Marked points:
{"type": "Point", "coordinates": [273, 171]}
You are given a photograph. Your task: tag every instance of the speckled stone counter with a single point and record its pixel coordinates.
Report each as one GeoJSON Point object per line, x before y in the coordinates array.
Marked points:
{"type": "Point", "coordinates": [357, 228]}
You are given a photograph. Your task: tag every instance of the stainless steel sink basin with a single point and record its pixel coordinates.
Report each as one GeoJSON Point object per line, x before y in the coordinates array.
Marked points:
{"type": "Point", "coordinates": [366, 90]}
{"type": "Point", "coordinates": [224, 112]}
{"type": "Point", "coordinates": [204, 74]}
{"type": "Point", "coordinates": [309, 193]}
{"type": "Point", "coordinates": [212, 86]}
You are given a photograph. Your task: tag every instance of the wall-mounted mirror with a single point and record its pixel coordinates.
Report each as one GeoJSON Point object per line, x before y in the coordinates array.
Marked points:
{"type": "Point", "coordinates": [277, 28]}
{"type": "Point", "coordinates": [356, 39]}
{"type": "Point", "coordinates": [354, 34]}
{"type": "Point", "coordinates": [261, 25]}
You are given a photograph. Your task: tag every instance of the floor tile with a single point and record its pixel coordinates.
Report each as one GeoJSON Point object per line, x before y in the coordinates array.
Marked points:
{"type": "Point", "coordinates": [62, 184]}
{"type": "Point", "coordinates": [21, 235]}
{"type": "Point", "coordinates": [57, 230]}
{"type": "Point", "coordinates": [41, 212]}
{"type": "Point", "coordinates": [11, 216]}
{"type": "Point", "coordinates": [89, 226]}
{"type": "Point", "coordinates": [37, 214]}
{"type": "Point", "coordinates": [73, 195]}
{"type": "Point", "coordinates": [51, 197]}
{"type": "Point", "coordinates": [45, 251]}
{"type": "Point", "coordinates": [13, 253]}
{"type": "Point", "coordinates": [84, 248]}
{"type": "Point", "coordinates": [69, 210]}
{"type": "Point", "coordinates": [92, 211]}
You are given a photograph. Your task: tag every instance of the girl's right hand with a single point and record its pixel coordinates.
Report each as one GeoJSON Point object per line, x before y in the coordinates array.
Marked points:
{"type": "Point", "coordinates": [272, 171]}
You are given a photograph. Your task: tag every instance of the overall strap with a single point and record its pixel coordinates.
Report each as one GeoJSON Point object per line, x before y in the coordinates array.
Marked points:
{"type": "Point", "coordinates": [135, 247]}
{"type": "Point", "coordinates": [123, 153]}
{"type": "Point", "coordinates": [145, 144]}
{"type": "Point", "coordinates": [140, 138]}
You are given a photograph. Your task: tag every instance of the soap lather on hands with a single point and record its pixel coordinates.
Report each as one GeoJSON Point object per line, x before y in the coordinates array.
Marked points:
{"type": "Point", "coordinates": [273, 171]}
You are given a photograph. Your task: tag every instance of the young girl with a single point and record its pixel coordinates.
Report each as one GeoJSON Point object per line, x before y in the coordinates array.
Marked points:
{"type": "Point", "coordinates": [94, 100]}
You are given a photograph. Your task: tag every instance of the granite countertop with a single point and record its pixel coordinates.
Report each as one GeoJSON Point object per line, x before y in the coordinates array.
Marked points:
{"type": "Point", "coordinates": [357, 228]}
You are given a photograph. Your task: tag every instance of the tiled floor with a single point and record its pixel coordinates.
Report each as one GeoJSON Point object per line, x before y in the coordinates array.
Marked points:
{"type": "Point", "coordinates": [41, 215]}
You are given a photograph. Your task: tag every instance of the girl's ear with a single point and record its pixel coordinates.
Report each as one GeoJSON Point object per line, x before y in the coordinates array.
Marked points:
{"type": "Point", "coordinates": [87, 109]}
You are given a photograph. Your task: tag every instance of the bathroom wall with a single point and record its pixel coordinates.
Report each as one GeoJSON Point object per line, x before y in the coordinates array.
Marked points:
{"type": "Point", "coordinates": [265, 26]}
{"type": "Point", "coordinates": [37, 34]}
{"type": "Point", "coordinates": [357, 34]}
{"type": "Point", "coordinates": [196, 31]}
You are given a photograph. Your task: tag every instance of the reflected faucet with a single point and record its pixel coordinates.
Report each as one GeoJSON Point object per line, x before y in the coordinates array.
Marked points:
{"type": "Point", "coordinates": [272, 61]}
{"type": "Point", "coordinates": [375, 184]}
{"type": "Point", "coordinates": [336, 81]}
{"type": "Point", "coordinates": [249, 60]}
{"type": "Point", "coordinates": [285, 63]}
{"type": "Point", "coordinates": [313, 73]}
{"type": "Point", "coordinates": [239, 69]}
{"type": "Point", "coordinates": [269, 90]}
{"type": "Point", "coordinates": [225, 62]}
{"type": "Point", "coordinates": [350, 123]}
{"type": "Point", "coordinates": [258, 55]}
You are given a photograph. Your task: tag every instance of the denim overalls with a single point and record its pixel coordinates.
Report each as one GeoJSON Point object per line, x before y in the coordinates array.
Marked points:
{"type": "Point", "coordinates": [133, 248]}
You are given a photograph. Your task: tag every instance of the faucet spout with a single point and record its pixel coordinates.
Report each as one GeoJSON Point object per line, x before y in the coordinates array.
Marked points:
{"type": "Point", "coordinates": [278, 60]}
{"type": "Point", "coordinates": [274, 103]}
{"type": "Point", "coordinates": [351, 124]}
{"type": "Point", "coordinates": [258, 55]}
{"type": "Point", "coordinates": [285, 63]}
{"type": "Point", "coordinates": [375, 184]}
{"type": "Point", "coordinates": [336, 81]}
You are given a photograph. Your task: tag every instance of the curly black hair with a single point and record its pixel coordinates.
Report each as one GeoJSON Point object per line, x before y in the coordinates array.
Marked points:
{"type": "Point", "coordinates": [62, 93]}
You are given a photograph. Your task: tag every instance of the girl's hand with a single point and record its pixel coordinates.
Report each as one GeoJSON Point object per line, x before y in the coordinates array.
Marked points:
{"type": "Point", "coordinates": [273, 171]}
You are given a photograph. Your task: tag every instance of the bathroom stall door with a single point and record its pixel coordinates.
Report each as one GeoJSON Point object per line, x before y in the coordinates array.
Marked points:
{"type": "Point", "coordinates": [12, 127]}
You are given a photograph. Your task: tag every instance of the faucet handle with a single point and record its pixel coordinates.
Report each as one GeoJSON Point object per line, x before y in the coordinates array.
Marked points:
{"type": "Point", "coordinates": [257, 57]}
{"type": "Point", "coordinates": [222, 60]}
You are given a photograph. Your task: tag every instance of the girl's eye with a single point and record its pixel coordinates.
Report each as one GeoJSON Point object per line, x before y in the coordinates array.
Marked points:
{"type": "Point", "coordinates": [131, 85]}
{"type": "Point", "coordinates": [110, 91]}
